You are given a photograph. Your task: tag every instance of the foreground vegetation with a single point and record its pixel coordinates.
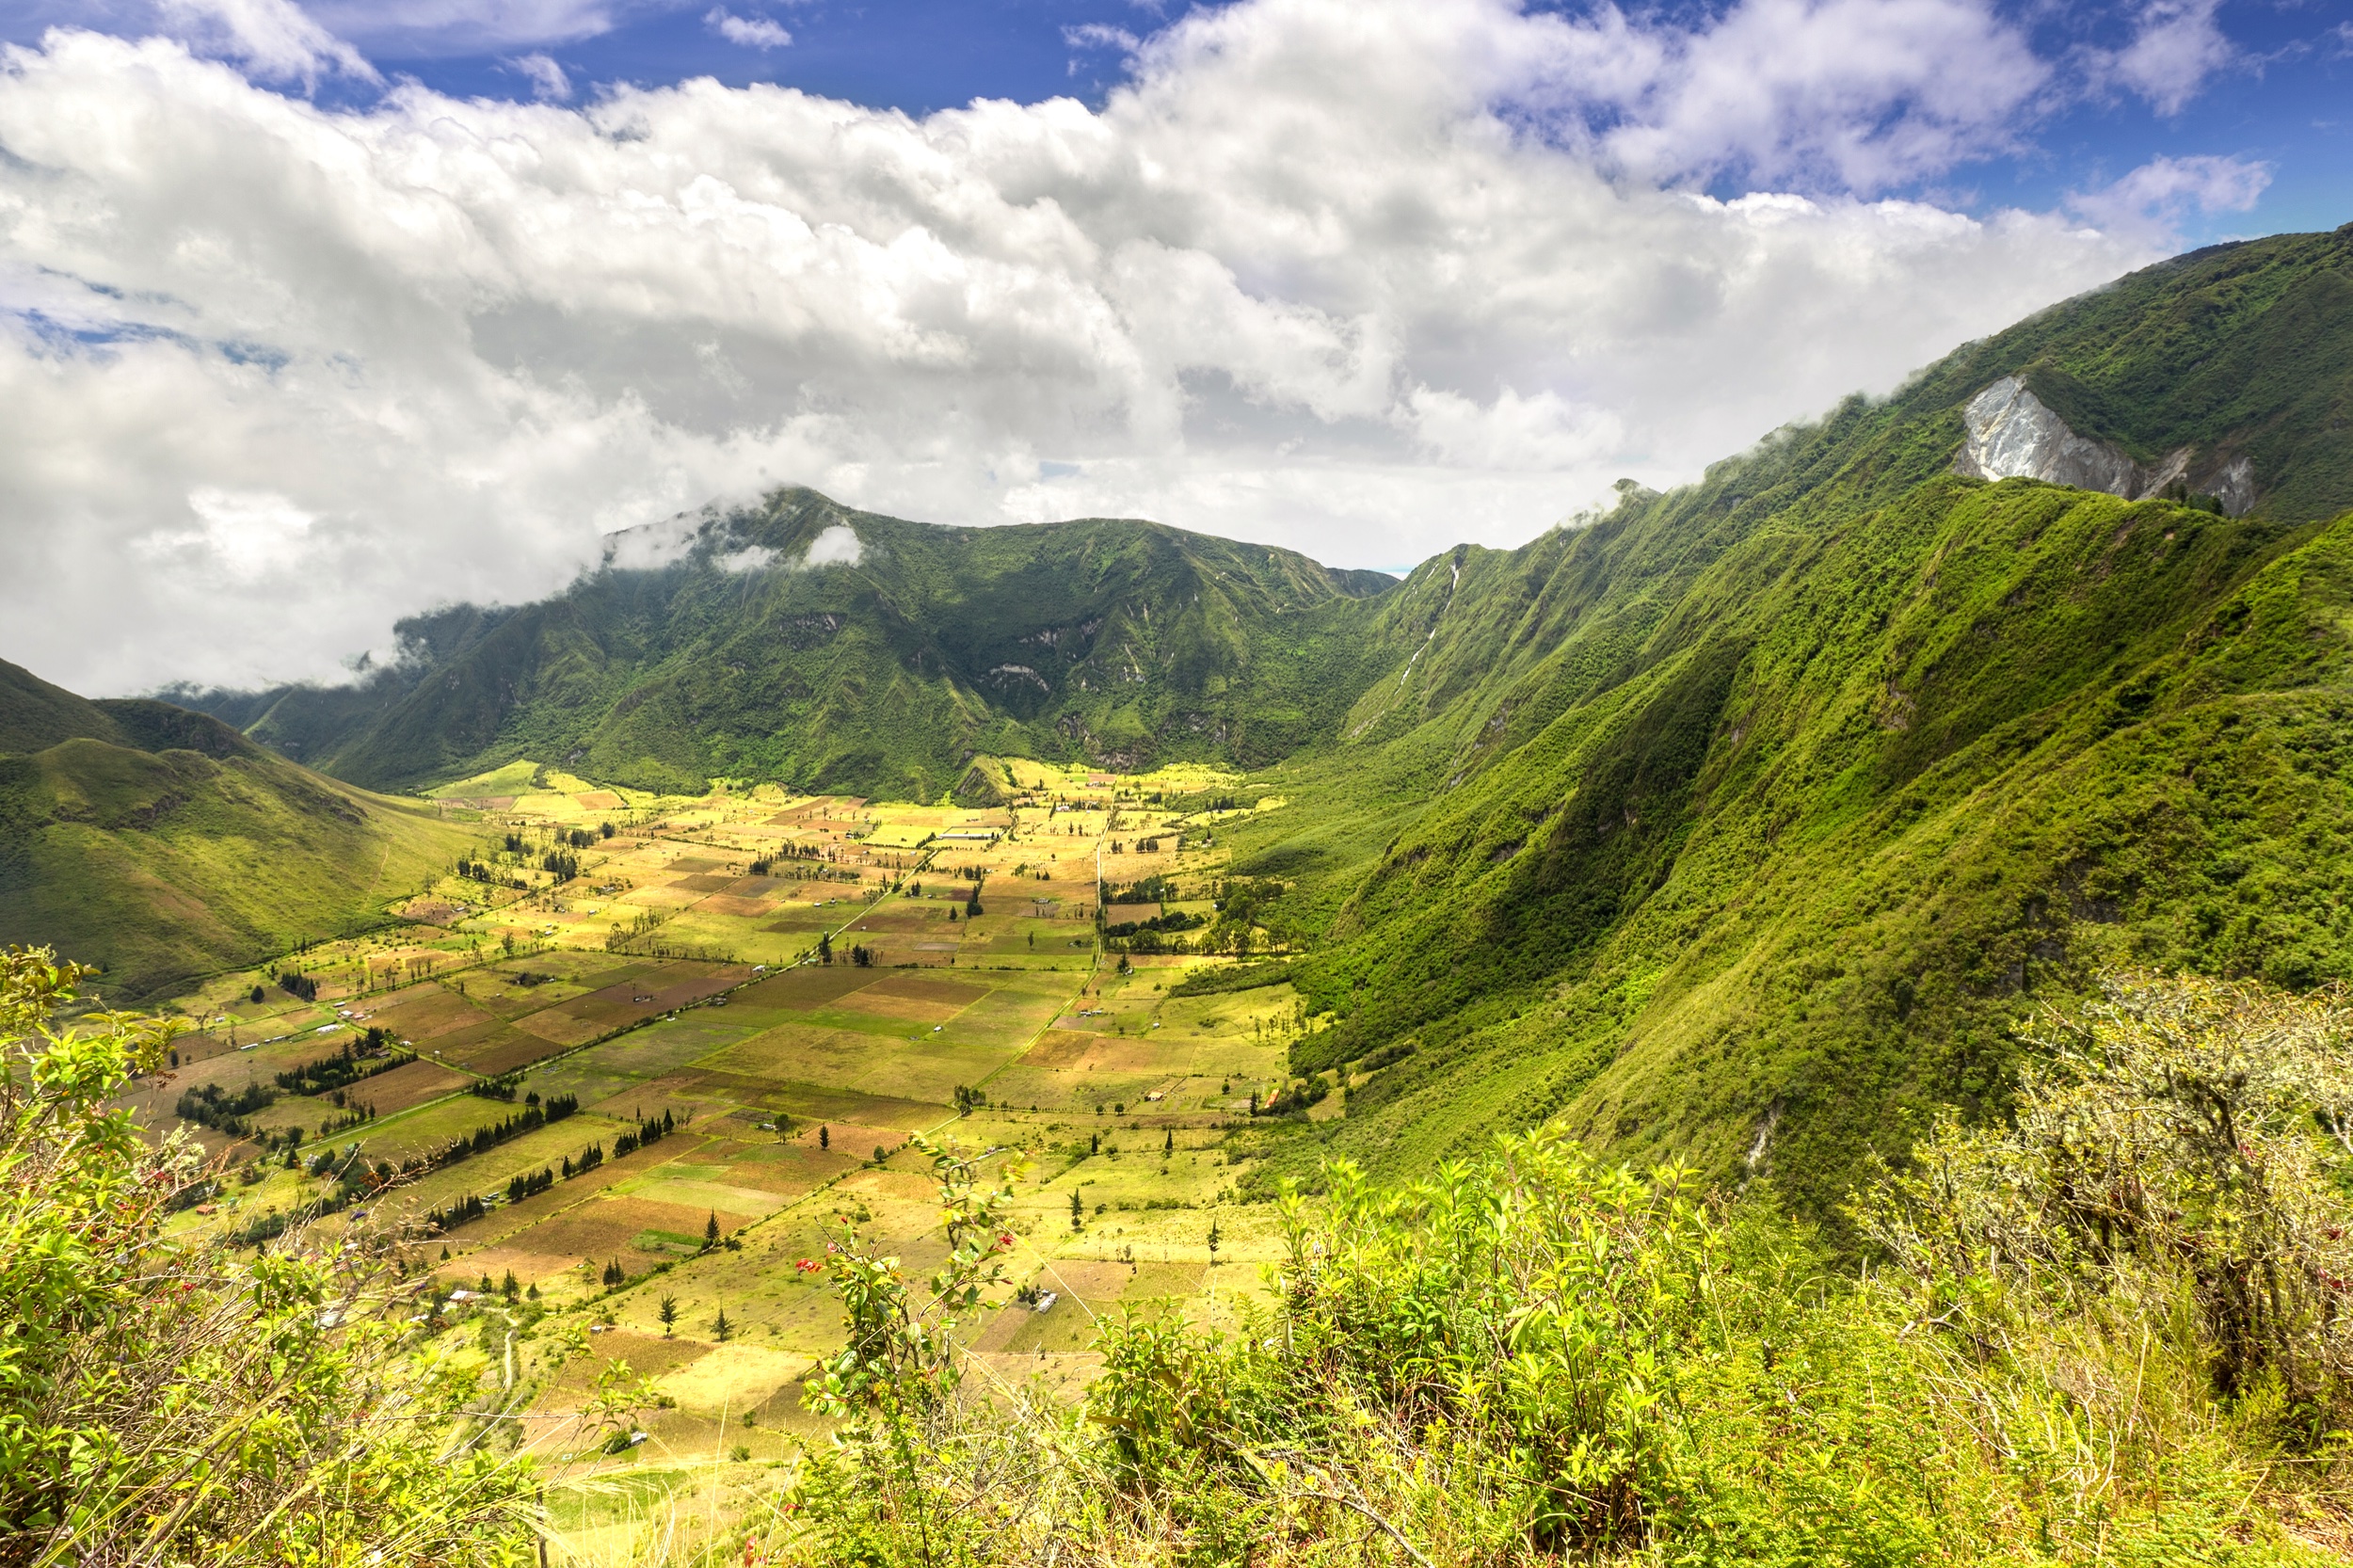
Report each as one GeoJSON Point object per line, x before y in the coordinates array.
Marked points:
{"type": "Point", "coordinates": [2110, 1332]}
{"type": "Point", "coordinates": [2108, 1329]}
{"type": "Point", "coordinates": [169, 1398]}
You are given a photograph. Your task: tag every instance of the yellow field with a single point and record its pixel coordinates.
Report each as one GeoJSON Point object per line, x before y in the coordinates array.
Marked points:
{"type": "Point", "coordinates": [797, 984]}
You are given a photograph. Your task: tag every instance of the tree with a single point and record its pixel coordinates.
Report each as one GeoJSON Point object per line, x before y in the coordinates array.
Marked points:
{"type": "Point", "coordinates": [1077, 1209]}
{"type": "Point", "coordinates": [667, 1312]}
{"type": "Point", "coordinates": [711, 1230]}
{"type": "Point", "coordinates": [1215, 1236]}
{"type": "Point", "coordinates": [723, 1328]}
{"type": "Point", "coordinates": [825, 1137]}
{"type": "Point", "coordinates": [825, 948]}
{"type": "Point", "coordinates": [1168, 1142]}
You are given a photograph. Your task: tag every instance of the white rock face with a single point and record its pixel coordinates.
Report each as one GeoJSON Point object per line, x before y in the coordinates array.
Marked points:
{"type": "Point", "coordinates": [2014, 435]}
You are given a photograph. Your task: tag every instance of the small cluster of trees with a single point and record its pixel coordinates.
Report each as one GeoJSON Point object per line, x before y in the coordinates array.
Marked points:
{"type": "Point", "coordinates": [485, 874]}
{"type": "Point", "coordinates": [650, 1129]}
{"type": "Point", "coordinates": [333, 1074]}
{"type": "Point", "coordinates": [554, 1109]}
{"type": "Point", "coordinates": [298, 984]}
{"type": "Point", "coordinates": [223, 1111]}
{"type": "Point", "coordinates": [464, 1210]}
{"type": "Point", "coordinates": [859, 955]}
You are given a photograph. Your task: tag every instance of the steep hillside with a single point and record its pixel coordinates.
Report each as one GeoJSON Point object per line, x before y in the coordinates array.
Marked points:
{"type": "Point", "coordinates": [803, 641]}
{"type": "Point", "coordinates": [163, 844]}
{"type": "Point", "coordinates": [1757, 813]}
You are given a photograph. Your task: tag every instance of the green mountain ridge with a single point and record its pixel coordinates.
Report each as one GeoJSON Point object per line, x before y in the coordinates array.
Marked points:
{"type": "Point", "coordinates": [161, 843]}
{"type": "Point", "coordinates": [1127, 643]}
{"type": "Point", "coordinates": [1739, 825]}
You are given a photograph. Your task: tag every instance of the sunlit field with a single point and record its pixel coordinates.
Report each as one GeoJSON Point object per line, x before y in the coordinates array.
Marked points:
{"type": "Point", "coordinates": [787, 987]}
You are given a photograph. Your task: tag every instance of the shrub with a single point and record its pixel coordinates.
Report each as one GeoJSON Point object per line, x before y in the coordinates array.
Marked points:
{"type": "Point", "coordinates": [163, 1398]}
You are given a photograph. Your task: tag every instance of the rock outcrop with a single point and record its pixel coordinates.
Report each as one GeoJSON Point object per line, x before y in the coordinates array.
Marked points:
{"type": "Point", "coordinates": [2015, 435]}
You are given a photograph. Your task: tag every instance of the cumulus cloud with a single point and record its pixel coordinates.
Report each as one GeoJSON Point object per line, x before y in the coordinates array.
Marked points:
{"type": "Point", "coordinates": [749, 32]}
{"type": "Point", "coordinates": [2176, 45]}
{"type": "Point", "coordinates": [1358, 276]}
{"type": "Point", "coordinates": [1858, 95]}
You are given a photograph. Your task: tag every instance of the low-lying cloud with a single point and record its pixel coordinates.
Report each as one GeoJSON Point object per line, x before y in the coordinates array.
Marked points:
{"type": "Point", "coordinates": [1358, 276]}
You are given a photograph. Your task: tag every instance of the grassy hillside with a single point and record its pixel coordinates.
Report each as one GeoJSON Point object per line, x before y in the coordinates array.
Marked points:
{"type": "Point", "coordinates": [1124, 644]}
{"type": "Point", "coordinates": [167, 845]}
{"type": "Point", "coordinates": [1746, 822]}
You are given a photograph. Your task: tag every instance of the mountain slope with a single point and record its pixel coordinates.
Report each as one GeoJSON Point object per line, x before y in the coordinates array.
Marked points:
{"type": "Point", "coordinates": [1759, 812]}
{"type": "Point", "coordinates": [803, 641]}
{"type": "Point", "coordinates": [162, 845]}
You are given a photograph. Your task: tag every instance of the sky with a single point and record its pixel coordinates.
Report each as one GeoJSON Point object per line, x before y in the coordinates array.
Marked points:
{"type": "Point", "coordinates": [315, 315]}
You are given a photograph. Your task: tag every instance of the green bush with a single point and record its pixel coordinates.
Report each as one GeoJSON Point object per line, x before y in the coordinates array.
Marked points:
{"type": "Point", "coordinates": [165, 1399]}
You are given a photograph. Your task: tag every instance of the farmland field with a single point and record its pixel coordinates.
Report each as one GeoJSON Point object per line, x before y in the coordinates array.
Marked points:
{"type": "Point", "coordinates": [776, 993]}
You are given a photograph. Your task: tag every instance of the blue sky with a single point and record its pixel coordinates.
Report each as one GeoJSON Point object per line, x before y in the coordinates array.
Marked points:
{"type": "Point", "coordinates": [317, 313]}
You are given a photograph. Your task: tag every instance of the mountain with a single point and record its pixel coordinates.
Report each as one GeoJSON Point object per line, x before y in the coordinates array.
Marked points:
{"type": "Point", "coordinates": [803, 641]}
{"type": "Point", "coordinates": [1739, 827]}
{"type": "Point", "coordinates": [132, 833]}
{"type": "Point", "coordinates": [1742, 826]}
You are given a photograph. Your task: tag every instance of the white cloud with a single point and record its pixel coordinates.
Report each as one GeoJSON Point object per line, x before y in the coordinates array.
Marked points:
{"type": "Point", "coordinates": [1100, 34]}
{"type": "Point", "coordinates": [472, 26]}
{"type": "Point", "coordinates": [1359, 276]}
{"type": "Point", "coordinates": [239, 539]}
{"type": "Point", "coordinates": [547, 78]}
{"type": "Point", "coordinates": [1854, 95]}
{"type": "Point", "coordinates": [749, 32]}
{"type": "Point", "coordinates": [2176, 46]}
{"type": "Point", "coordinates": [273, 38]}
{"type": "Point", "coordinates": [2158, 195]}
{"type": "Point", "coordinates": [837, 545]}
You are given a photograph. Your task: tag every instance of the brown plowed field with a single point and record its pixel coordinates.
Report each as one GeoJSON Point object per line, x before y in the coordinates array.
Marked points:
{"type": "Point", "coordinates": [405, 1086]}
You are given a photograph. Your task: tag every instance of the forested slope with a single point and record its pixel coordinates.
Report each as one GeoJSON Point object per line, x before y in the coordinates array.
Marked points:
{"type": "Point", "coordinates": [1747, 821]}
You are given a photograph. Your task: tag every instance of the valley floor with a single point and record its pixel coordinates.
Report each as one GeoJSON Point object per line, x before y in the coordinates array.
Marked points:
{"type": "Point", "coordinates": [621, 1080]}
